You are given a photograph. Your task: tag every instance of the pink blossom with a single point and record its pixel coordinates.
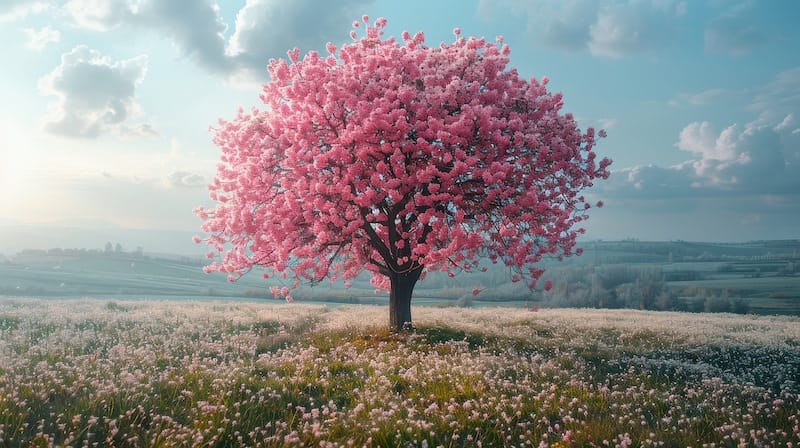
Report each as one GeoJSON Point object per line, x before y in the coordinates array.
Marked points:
{"type": "Point", "coordinates": [328, 169]}
{"type": "Point", "coordinates": [331, 48]}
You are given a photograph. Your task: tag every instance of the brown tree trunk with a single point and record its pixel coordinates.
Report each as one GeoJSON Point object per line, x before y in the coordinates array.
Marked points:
{"type": "Point", "coordinates": [402, 286]}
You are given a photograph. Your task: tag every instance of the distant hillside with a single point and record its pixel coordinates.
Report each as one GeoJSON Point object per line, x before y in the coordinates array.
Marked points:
{"type": "Point", "coordinates": [81, 272]}
{"type": "Point", "coordinates": [761, 277]}
{"type": "Point", "coordinates": [634, 251]}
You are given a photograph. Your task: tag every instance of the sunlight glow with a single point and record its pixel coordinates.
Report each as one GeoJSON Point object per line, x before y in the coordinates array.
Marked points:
{"type": "Point", "coordinates": [17, 164]}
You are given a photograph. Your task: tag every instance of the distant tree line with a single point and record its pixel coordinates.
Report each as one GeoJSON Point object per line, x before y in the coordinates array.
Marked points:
{"type": "Point", "coordinates": [618, 286]}
{"type": "Point", "coordinates": [612, 286]}
{"type": "Point", "coordinates": [83, 252]}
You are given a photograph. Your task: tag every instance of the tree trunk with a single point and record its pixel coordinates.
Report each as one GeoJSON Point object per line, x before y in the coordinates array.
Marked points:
{"type": "Point", "coordinates": [402, 285]}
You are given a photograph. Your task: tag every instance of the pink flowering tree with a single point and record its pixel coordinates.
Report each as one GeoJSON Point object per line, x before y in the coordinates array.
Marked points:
{"type": "Point", "coordinates": [401, 159]}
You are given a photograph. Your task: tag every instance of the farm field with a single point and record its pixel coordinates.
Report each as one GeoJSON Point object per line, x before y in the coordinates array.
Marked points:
{"type": "Point", "coordinates": [99, 372]}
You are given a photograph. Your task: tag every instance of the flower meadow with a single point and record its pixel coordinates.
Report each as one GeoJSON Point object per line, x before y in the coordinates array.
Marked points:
{"type": "Point", "coordinates": [226, 374]}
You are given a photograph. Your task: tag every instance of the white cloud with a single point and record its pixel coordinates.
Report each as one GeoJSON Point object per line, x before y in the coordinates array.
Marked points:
{"type": "Point", "coordinates": [11, 10]}
{"type": "Point", "coordinates": [751, 160]}
{"type": "Point", "coordinates": [39, 39]}
{"type": "Point", "coordinates": [94, 94]}
{"type": "Point", "coordinates": [268, 28]}
{"type": "Point", "coordinates": [605, 29]}
{"type": "Point", "coordinates": [263, 28]}
{"type": "Point", "coordinates": [100, 15]}
{"type": "Point", "coordinates": [629, 28]}
{"type": "Point", "coordinates": [741, 183]}
{"type": "Point", "coordinates": [701, 139]}
{"type": "Point", "coordinates": [195, 25]}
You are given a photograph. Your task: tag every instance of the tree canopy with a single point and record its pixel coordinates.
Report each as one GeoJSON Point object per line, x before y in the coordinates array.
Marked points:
{"type": "Point", "coordinates": [401, 159]}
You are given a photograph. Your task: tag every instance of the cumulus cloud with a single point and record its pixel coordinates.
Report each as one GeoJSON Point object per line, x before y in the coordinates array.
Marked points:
{"type": "Point", "coordinates": [100, 15]}
{"type": "Point", "coordinates": [702, 139]}
{"type": "Point", "coordinates": [755, 158]}
{"type": "Point", "coordinates": [263, 28]}
{"type": "Point", "coordinates": [39, 39]}
{"type": "Point", "coordinates": [734, 32]}
{"type": "Point", "coordinates": [195, 25]}
{"type": "Point", "coordinates": [622, 29]}
{"type": "Point", "coordinates": [93, 93]}
{"type": "Point", "coordinates": [736, 167]}
{"type": "Point", "coordinates": [750, 160]}
{"type": "Point", "coordinates": [605, 29]}
{"type": "Point", "coordinates": [267, 28]}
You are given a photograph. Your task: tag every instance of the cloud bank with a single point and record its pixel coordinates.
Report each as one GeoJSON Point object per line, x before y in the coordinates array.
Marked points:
{"type": "Point", "coordinates": [754, 159]}
{"type": "Point", "coordinates": [263, 29]}
{"type": "Point", "coordinates": [94, 94]}
{"type": "Point", "coordinates": [604, 29]}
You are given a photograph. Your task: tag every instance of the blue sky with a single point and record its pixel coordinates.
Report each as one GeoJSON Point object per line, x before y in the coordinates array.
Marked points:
{"type": "Point", "coordinates": [107, 103]}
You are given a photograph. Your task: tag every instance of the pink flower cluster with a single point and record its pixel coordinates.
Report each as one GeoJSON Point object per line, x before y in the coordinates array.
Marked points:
{"type": "Point", "coordinates": [394, 156]}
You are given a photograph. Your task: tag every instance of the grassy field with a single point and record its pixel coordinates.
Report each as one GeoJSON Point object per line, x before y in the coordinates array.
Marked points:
{"type": "Point", "coordinates": [178, 373]}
